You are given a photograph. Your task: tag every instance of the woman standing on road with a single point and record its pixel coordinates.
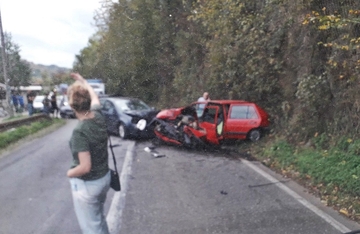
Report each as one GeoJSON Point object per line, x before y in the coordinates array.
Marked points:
{"type": "Point", "coordinates": [89, 174]}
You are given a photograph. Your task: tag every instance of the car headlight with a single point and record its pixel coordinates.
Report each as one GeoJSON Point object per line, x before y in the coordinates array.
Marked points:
{"type": "Point", "coordinates": [141, 124]}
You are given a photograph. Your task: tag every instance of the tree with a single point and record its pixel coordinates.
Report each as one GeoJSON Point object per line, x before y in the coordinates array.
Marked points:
{"type": "Point", "coordinates": [18, 70]}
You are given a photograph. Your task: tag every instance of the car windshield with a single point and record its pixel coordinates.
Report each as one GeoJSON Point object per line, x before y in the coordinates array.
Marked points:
{"type": "Point", "coordinates": [133, 104]}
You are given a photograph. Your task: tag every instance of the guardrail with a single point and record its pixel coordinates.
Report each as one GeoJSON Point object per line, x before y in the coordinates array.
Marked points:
{"type": "Point", "coordinates": [7, 125]}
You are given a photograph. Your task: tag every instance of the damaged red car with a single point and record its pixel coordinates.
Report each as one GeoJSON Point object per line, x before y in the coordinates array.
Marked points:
{"type": "Point", "coordinates": [213, 122]}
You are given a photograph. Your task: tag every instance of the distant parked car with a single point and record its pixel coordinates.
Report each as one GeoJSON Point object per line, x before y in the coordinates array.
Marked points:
{"type": "Point", "coordinates": [65, 110]}
{"type": "Point", "coordinates": [37, 104]}
{"type": "Point", "coordinates": [123, 114]}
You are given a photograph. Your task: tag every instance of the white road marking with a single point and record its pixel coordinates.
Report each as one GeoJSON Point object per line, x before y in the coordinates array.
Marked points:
{"type": "Point", "coordinates": [300, 199]}
{"type": "Point", "coordinates": [114, 215]}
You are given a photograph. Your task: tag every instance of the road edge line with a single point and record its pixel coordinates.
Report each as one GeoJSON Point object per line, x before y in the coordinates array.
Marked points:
{"type": "Point", "coordinates": [336, 224]}
{"type": "Point", "coordinates": [114, 215]}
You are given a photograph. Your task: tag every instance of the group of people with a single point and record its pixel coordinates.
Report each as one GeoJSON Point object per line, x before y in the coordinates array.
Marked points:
{"type": "Point", "coordinates": [18, 102]}
{"type": "Point", "coordinates": [49, 102]}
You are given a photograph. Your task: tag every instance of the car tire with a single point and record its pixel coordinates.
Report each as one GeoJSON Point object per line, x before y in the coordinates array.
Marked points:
{"type": "Point", "coordinates": [123, 131]}
{"type": "Point", "coordinates": [254, 135]}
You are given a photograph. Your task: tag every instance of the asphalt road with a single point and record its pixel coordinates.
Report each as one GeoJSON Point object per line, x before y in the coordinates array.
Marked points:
{"type": "Point", "coordinates": [183, 192]}
{"type": "Point", "coordinates": [217, 192]}
{"type": "Point", "coordinates": [35, 193]}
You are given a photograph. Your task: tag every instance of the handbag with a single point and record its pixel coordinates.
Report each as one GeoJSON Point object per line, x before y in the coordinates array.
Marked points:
{"type": "Point", "coordinates": [114, 175]}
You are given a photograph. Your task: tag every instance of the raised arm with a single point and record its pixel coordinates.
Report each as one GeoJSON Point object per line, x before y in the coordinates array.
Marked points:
{"type": "Point", "coordinates": [94, 97]}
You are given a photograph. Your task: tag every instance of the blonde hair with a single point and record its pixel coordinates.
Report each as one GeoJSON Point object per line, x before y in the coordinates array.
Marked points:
{"type": "Point", "coordinates": [79, 97]}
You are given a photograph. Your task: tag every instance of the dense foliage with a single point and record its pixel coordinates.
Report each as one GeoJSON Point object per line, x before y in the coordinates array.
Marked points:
{"type": "Point", "coordinates": [297, 59]}
{"type": "Point", "coordinates": [18, 71]}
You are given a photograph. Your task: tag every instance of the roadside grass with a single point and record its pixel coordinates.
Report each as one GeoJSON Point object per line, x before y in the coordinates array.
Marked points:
{"type": "Point", "coordinates": [15, 117]}
{"type": "Point", "coordinates": [328, 168]}
{"type": "Point", "coordinates": [14, 135]}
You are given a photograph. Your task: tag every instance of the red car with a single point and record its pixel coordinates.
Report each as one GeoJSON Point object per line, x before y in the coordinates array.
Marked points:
{"type": "Point", "coordinates": [212, 122]}
{"type": "Point", "coordinates": [232, 119]}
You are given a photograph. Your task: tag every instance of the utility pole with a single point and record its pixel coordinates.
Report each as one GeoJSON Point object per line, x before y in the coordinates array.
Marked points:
{"type": "Point", "coordinates": [7, 106]}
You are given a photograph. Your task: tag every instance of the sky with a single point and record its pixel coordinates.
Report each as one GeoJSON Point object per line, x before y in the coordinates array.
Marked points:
{"type": "Point", "coordinates": [49, 32]}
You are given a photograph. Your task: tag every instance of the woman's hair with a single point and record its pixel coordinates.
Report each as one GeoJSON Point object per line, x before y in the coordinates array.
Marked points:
{"type": "Point", "coordinates": [79, 97]}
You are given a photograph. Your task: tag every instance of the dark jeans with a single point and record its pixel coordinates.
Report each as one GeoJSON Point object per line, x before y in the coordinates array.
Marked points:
{"type": "Point", "coordinates": [30, 109]}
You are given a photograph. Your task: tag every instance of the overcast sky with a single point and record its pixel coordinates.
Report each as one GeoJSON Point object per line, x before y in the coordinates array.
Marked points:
{"type": "Point", "coordinates": [49, 32]}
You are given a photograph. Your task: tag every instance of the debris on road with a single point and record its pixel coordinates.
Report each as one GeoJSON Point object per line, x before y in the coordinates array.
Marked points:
{"type": "Point", "coordinates": [151, 149]}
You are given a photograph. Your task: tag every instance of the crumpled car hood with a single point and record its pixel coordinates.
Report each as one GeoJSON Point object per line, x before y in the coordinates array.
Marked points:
{"type": "Point", "coordinates": [145, 114]}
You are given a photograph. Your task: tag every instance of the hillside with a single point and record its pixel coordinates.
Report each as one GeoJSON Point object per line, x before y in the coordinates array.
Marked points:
{"type": "Point", "coordinates": [38, 69]}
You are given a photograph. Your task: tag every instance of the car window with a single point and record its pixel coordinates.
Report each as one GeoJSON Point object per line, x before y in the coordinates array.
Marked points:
{"type": "Point", "coordinates": [252, 113]}
{"type": "Point", "coordinates": [243, 112]}
{"type": "Point", "coordinates": [137, 105]}
{"type": "Point", "coordinates": [133, 104]}
{"type": "Point", "coordinates": [209, 115]}
{"type": "Point", "coordinates": [108, 105]}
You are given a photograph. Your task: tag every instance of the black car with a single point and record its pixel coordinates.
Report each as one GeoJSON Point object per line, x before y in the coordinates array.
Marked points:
{"type": "Point", "coordinates": [65, 110]}
{"type": "Point", "coordinates": [124, 115]}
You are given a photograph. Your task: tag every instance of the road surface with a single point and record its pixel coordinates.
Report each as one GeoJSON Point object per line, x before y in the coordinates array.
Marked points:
{"type": "Point", "coordinates": [182, 192]}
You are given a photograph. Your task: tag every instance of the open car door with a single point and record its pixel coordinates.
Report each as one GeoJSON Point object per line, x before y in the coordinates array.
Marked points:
{"type": "Point", "coordinates": [213, 124]}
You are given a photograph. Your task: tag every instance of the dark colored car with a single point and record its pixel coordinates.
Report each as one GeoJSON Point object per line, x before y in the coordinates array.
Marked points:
{"type": "Point", "coordinates": [65, 110]}
{"type": "Point", "coordinates": [124, 115]}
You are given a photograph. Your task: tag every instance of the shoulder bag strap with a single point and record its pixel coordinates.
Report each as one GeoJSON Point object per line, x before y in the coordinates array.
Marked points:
{"type": "Point", "coordinates": [112, 152]}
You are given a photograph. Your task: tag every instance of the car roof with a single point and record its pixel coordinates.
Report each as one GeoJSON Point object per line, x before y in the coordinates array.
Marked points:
{"type": "Point", "coordinates": [226, 102]}
{"type": "Point", "coordinates": [118, 98]}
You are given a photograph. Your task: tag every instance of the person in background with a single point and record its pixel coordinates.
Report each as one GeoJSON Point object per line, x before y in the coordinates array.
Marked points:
{"type": "Point", "coordinates": [30, 99]}
{"type": "Point", "coordinates": [205, 97]}
{"type": "Point", "coordinates": [21, 103]}
{"type": "Point", "coordinates": [89, 175]}
{"type": "Point", "coordinates": [46, 103]}
{"type": "Point", "coordinates": [54, 106]}
{"type": "Point", "coordinates": [15, 102]}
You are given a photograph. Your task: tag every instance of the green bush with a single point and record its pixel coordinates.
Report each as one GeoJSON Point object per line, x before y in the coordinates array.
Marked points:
{"type": "Point", "coordinates": [12, 136]}
{"type": "Point", "coordinates": [337, 167]}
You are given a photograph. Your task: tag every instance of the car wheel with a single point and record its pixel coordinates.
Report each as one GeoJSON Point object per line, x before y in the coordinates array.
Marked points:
{"type": "Point", "coordinates": [254, 135]}
{"type": "Point", "coordinates": [123, 132]}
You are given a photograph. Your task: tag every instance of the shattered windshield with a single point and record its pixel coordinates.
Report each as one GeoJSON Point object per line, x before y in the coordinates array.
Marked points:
{"type": "Point", "coordinates": [134, 104]}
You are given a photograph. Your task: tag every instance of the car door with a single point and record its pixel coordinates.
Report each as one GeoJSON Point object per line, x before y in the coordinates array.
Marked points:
{"type": "Point", "coordinates": [110, 114]}
{"type": "Point", "coordinates": [240, 120]}
{"type": "Point", "coordinates": [212, 123]}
